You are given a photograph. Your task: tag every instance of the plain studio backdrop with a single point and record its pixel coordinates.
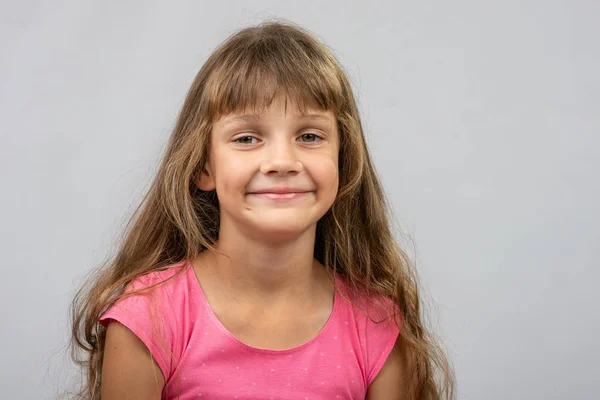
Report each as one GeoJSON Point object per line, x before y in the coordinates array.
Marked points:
{"type": "Point", "coordinates": [482, 117]}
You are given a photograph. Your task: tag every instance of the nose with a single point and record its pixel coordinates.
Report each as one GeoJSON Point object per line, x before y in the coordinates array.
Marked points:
{"type": "Point", "coordinates": [281, 160]}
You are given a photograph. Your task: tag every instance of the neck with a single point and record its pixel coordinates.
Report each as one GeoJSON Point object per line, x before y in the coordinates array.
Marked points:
{"type": "Point", "coordinates": [260, 269]}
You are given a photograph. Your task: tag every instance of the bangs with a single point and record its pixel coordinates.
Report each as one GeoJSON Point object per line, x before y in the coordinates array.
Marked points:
{"type": "Point", "coordinates": [248, 73]}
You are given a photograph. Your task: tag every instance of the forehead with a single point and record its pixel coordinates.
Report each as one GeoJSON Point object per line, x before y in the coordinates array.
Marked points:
{"type": "Point", "coordinates": [293, 110]}
{"type": "Point", "coordinates": [261, 103]}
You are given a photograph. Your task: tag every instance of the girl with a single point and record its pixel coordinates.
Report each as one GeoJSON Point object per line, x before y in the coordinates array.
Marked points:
{"type": "Point", "coordinates": [261, 264]}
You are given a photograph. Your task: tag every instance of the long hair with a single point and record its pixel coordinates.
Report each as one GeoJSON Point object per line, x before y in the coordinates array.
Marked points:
{"type": "Point", "coordinates": [177, 221]}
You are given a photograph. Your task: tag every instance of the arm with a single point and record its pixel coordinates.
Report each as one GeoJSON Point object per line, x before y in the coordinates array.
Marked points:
{"type": "Point", "coordinates": [390, 382]}
{"type": "Point", "coordinates": [128, 369]}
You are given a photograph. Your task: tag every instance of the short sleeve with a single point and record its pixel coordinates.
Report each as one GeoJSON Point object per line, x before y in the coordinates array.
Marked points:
{"type": "Point", "coordinates": [150, 317]}
{"type": "Point", "coordinates": [381, 332]}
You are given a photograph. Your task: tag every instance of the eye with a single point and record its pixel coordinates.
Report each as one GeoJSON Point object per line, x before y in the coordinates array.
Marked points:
{"type": "Point", "coordinates": [246, 140]}
{"type": "Point", "coordinates": [310, 138]}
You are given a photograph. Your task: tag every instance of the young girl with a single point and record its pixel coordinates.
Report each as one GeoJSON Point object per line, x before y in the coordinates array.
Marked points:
{"type": "Point", "coordinates": [261, 264]}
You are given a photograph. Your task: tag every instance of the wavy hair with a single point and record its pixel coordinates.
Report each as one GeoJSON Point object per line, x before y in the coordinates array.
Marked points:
{"type": "Point", "coordinates": [177, 221]}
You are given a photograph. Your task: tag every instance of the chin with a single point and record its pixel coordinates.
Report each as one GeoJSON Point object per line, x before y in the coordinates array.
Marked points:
{"type": "Point", "coordinates": [277, 231]}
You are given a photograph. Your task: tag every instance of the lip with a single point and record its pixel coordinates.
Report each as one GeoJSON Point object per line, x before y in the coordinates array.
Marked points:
{"type": "Point", "coordinates": [279, 190]}
{"type": "Point", "coordinates": [279, 193]}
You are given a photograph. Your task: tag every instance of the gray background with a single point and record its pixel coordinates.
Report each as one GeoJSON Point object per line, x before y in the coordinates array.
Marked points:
{"type": "Point", "coordinates": [482, 116]}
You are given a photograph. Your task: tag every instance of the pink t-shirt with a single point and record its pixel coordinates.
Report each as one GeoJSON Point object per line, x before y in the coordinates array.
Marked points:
{"type": "Point", "coordinates": [200, 359]}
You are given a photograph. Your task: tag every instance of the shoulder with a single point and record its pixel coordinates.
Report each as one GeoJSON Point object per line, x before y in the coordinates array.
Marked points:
{"type": "Point", "coordinates": [157, 289]}
{"type": "Point", "coordinates": [376, 323]}
{"type": "Point", "coordinates": [147, 294]}
{"type": "Point", "coordinates": [168, 285]}
{"type": "Point", "coordinates": [164, 278]}
{"type": "Point", "coordinates": [369, 307]}
{"type": "Point", "coordinates": [151, 308]}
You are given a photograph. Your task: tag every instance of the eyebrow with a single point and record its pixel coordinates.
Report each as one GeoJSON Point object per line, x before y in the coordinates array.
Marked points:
{"type": "Point", "coordinates": [255, 117]}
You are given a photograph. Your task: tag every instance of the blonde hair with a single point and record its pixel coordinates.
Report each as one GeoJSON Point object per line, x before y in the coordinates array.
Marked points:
{"type": "Point", "coordinates": [177, 221]}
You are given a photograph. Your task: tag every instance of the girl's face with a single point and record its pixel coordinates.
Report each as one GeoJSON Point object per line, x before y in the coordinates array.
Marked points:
{"type": "Point", "coordinates": [275, 174]}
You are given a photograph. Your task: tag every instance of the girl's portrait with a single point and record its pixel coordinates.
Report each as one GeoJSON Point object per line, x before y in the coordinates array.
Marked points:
{"type": "Point", "coordinates": [387, 201]}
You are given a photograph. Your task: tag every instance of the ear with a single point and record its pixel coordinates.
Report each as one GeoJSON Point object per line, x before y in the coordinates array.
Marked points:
{"type": "Point", "coordinates": [205, 180]}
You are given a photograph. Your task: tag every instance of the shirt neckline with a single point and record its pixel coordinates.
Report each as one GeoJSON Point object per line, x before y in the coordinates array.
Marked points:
{"type": "Point", "coordinates": [201, 297]}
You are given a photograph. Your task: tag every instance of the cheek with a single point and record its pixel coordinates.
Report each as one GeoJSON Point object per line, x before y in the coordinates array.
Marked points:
{"type": "Point", "coordinates": [231, 172]}
{"type": "Point", "coordinates": [325, 171]}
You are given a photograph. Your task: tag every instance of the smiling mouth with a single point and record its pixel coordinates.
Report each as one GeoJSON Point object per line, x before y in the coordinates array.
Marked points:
{"type": "Point", "coordinates": [279, 196]}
